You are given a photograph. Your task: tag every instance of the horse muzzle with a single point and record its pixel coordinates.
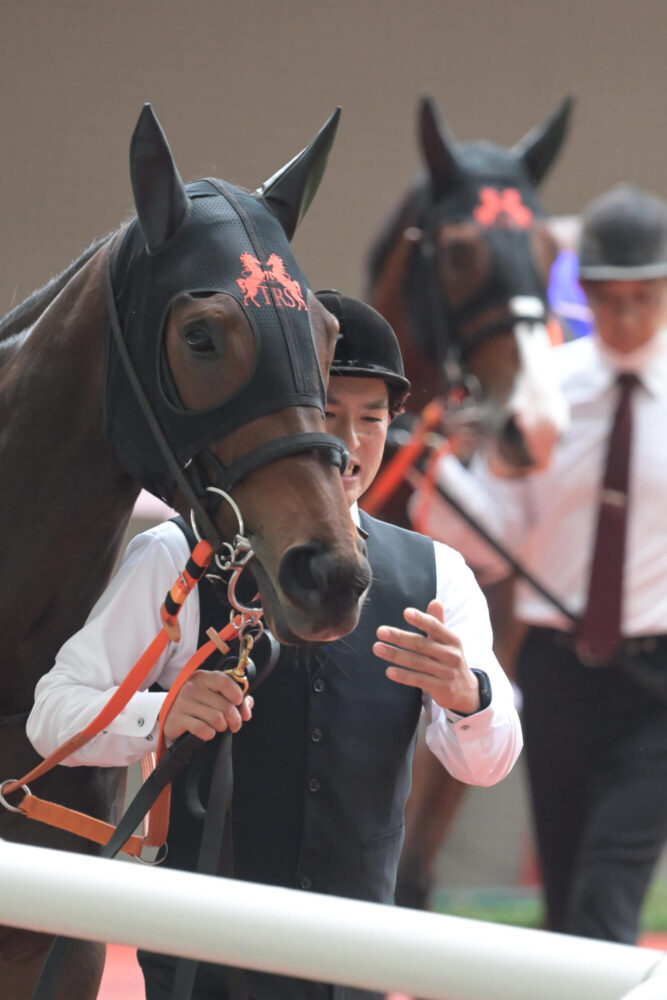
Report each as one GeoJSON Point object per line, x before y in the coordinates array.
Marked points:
{"type": "Point", "coordinates": [319, 593]}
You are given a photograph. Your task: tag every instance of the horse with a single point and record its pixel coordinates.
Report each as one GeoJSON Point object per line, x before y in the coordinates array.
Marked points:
{"type": "Point", "coordinates": [139, 366]}
{"type": "Point", "coordinates": [461, 270]}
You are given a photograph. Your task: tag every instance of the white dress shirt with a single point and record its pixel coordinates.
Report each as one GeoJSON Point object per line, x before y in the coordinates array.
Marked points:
{"type": "Point", "coordinates": [478, 749]}
{"type": "Point", "coordinates": [547, 521]}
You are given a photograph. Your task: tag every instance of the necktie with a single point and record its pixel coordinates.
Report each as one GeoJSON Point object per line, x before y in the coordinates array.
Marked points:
{"type": "Point", "coordinates": [600, 629]}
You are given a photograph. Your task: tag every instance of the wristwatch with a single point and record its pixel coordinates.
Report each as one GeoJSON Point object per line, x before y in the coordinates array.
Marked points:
{"type": "Point", "coordinates": [484, 686]}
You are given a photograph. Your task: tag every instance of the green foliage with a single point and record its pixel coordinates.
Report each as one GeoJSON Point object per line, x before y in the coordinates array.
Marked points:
{"type": "Point", "coordinates": [523, 908]}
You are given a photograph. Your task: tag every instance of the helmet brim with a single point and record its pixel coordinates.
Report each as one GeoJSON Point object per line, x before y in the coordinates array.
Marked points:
{"type": "Point", "coordinates": [370, 371]}
{"type": "Point", "coordinates": [611, 272]}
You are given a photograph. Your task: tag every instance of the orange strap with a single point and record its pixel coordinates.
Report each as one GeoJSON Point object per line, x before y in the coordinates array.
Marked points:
{"type": "Point", "coordinates": [152, 818]}
{"type": "Point", "coordinates": [79, 823]}
{"type": "Point", "coordinates": [201, 555]}
{"type": "Point", "coordinates": [555, 331]}
{"type": "Point", "coordinates": [188, 670]}
{"type": "Point", "coordinates": [156, 823]}
{"type": "Point", "coordinates": [394, 472]}
{"type": "Point", "coordinates": [75, 822]}
{"type": "Point", "coordinates": [113, 707]}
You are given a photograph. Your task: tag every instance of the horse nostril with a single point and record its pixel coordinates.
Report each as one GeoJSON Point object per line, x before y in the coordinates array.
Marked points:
{"type": "Point", "coordinates": [299, 568]}
{"type": "Point", "coordinates": [310, 575]}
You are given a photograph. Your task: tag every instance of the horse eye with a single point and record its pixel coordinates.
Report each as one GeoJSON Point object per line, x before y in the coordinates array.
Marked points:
{"type": "Point", "coordinates": [199, 341]}
{"type": "Point", "coordinates": [459, 255]}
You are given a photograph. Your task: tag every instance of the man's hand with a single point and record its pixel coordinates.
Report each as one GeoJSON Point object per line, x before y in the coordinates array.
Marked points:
{"type": "Point", "coordinates": [433, 661]}
{"type": "Point", "coordinates": [209, 703]}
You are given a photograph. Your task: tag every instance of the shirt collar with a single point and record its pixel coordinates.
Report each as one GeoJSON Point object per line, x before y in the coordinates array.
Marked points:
{"type": "Point", "coordinates": [649, 363]}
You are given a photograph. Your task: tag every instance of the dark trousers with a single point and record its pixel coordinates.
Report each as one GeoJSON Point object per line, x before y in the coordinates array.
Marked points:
{"type": "Point", "coordinates": [212, 983]}
{"type": "Point", "coordinates": [596, 751]}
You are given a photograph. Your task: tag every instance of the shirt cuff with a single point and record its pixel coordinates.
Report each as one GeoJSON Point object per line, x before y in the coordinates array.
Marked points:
{"type": "Point", "coordinates": [140, 717]}
{"type": "Point", "coordinates": [468, 727]}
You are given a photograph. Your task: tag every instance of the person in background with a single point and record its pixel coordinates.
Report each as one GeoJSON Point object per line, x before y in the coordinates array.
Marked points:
{"type": "Point", "coordinates": [322, 753]}
{"type": "Point", "coordinates": [592, 530]}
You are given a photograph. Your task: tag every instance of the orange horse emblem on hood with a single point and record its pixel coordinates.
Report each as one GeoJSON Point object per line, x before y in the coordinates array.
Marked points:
{"type": "Point", "coordinates": [269, 283]}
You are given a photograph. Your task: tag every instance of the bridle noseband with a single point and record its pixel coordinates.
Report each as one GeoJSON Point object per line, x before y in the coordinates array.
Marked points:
{"type": "Point", "coordinates": [443, 321]}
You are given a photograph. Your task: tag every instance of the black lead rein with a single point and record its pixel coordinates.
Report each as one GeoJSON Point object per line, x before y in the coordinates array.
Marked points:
{"type": "Point", "coordinates": [513, 563]}
{"type": "Point", "coordinates": [210, 531]}
{"type": "Point", "coordinates": [174, 759]}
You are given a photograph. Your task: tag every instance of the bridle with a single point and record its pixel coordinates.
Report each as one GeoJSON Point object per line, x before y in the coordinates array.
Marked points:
{"type": "Point", "coordinates": [442, 321]}
{"type": "Point", "coordinates": [189, 478]}
{"type": "Point", "coordinates": [232, 558]}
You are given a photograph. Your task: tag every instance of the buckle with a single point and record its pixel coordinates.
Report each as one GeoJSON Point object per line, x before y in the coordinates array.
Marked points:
{"type": "Point", "coordinates": [587, 656]}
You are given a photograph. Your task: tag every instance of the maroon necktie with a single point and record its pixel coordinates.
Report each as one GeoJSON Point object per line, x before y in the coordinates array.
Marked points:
{"type": "Point", "coordinates": [599, 632]}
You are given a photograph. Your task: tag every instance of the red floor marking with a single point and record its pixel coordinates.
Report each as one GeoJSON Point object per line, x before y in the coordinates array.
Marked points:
{"type": "Point", "coordinates": [122, 979]}
{"type": "Point", "coordinates": [658, 941]}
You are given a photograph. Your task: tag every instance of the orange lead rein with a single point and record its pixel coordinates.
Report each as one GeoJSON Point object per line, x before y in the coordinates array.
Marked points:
{"type": "Point", "coordinates": [394, 472]}
{"type": "Point", "coordinates": [78, 823]}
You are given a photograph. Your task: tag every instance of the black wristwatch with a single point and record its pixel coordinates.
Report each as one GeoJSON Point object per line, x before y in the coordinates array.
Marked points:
{"type": "Point", "coordinates": [484, 686]}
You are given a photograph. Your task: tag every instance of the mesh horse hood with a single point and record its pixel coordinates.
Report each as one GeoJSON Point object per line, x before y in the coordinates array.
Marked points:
{"type": "Point", "coordinates": [209, 237]}
{"type": "Point", "coordinates": [457, 172]}
{"type": "Point", "coordinates": [488, 185]}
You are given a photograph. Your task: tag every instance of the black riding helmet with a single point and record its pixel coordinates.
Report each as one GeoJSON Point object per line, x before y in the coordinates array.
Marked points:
{"type": "Point", "coordinates": [624, 236]}
{"type": "Point", "coordinates": [366, 345]}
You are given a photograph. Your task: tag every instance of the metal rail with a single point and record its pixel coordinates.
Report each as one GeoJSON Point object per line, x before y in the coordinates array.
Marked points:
{"type": "Point", "coordinates": [313, 936]}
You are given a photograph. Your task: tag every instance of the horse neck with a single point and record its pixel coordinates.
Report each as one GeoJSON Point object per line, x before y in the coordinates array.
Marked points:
{"type": "Point", "coordinates": [23, 316]}
{"type": "Point", "coordinates": [66, 500]}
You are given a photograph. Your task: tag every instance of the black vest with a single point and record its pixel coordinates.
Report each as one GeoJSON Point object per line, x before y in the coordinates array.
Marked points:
{"type": "Point", "coordinates": [322, 772]}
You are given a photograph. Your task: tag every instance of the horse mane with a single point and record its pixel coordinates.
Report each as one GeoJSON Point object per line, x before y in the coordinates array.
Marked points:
{"type": "Point", "coordinates": [403, 215]}
{"type": "Point", "coordinates": [23, 316]}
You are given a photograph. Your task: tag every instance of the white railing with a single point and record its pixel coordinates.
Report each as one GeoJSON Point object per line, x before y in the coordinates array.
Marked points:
{"type": "Point", "coordinates": [313, 936]}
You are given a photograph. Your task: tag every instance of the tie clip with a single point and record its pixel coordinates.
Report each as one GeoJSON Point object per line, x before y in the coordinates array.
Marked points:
{"type": "Point", "coordinates": [615, 498]}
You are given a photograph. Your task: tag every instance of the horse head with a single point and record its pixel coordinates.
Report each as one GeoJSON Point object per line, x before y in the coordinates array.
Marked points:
{"type": "Point", "coordinates": [216, 379]}
{"type": "Point", "coordinates": [476, 253]}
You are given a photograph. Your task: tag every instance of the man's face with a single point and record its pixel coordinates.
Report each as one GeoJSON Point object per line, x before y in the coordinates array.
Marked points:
{"type": "Point", "coordinates": [357, 411]}
{"type": "Point", "coordinates": [627, 313]}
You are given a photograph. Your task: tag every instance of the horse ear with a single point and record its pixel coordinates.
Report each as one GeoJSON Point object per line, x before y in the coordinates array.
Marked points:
{"type": "Point", "coordinates": [159, 193]}
{"type": "Point", "coordinates": [438, 146]}
{"type": "Point", "coordinates": [289, 192]}
{"type": "Point", "coordinates": [539, 148]}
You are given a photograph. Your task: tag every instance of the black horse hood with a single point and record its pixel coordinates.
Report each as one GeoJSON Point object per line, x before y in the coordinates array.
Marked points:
{"type": "Point", "coordinates": [228, 243]}
{"type": "Point", "coordinates": [218, 238]}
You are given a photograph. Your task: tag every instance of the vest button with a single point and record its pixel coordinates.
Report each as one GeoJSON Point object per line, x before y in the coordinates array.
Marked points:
{"type": "Point", "coordinates": [318, 684]}
{"type": "Point", "coordinates": [313, 785]}
{"type": "Point", "coordinates": [305, 882]}
{"type": "Point", "coordinates": [316, 735]}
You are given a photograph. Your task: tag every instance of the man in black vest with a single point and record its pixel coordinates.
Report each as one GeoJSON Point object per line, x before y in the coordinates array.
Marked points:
{"type": "Point", "coordinates": [322, 753]}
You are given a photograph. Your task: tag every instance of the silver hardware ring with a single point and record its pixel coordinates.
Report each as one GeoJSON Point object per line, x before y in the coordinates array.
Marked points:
{"type": "Point", "coordinates": [162, 852]}
{"type": "Point", "coordinates": [3, 800]}
{"type": "Point", "coordinates": [232, 503]}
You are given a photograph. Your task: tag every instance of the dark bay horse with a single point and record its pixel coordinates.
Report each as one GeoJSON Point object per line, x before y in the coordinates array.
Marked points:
{"type": "Point", "coordinates": [141, 366]}
{"type": "Point", "coordinates": [461, 271]}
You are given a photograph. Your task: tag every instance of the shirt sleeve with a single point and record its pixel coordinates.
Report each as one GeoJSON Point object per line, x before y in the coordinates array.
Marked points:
{"type": "Point", "coordinates": [478, 749]}
{"type": "Point", "coordinates": [499, 506]}
{"type": "Point", "coordinates": [90, 666]}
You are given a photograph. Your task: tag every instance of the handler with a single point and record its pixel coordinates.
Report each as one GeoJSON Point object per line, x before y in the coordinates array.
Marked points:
{"type": "Point", "coordinates": [323, 752]}
{"type": "Point", "coordinates": [593, 527]}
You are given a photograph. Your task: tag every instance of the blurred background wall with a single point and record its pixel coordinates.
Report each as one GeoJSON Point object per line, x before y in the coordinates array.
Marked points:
{"type": "Point", "coordinates": [240, 87]}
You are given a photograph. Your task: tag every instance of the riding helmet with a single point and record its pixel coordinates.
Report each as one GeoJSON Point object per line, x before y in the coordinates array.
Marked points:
{"type": "Point", "coordinates": [624, 236]}
{"type": "Point", "coordinates": [366, 344]}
